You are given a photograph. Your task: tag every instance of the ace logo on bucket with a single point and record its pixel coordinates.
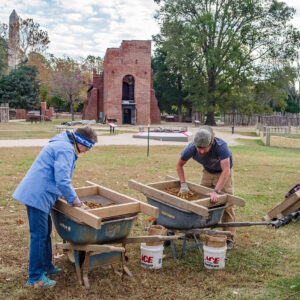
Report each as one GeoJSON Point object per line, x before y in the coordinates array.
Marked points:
{"type": "Point", "coordinates": [147, 259]}
{"type": "Point", "coordinates": [213, 260]}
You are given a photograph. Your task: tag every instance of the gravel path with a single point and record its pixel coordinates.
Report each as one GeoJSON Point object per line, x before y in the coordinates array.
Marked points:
{"type": "Point", "coordinates": [127, 139]}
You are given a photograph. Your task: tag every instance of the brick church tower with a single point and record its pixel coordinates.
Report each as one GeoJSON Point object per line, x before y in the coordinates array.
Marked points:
{"type": "Point", "coordinates": [124, 92]}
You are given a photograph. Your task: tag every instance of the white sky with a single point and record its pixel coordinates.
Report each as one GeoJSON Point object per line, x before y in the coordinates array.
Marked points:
{"type": "Point", "coordinates": [89, 27]}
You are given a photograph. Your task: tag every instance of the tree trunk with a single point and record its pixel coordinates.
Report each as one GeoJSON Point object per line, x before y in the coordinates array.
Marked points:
{"type": "Point", "coordinates": [180, 113]}
{"type": "Point", "coordinates": [210, 116]}
{"type": "Point", "coordinates": [210, 119]}
{"type": "Point", "coordinates": [71, 108]}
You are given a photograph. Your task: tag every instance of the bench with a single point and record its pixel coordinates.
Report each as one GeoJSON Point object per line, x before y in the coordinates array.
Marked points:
{"type": "Point", "coordinates": [197, 123]}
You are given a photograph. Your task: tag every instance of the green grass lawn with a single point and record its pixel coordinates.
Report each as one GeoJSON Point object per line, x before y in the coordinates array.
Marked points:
{"type": "Point", "coordinates": [265, 264]}
{"type": "Point", "coordinates": [292, 136]}
{"type": "Point", "coordinates": [246, 133]}
{"type": "Point", "coordinates": [45, 130]}
{"type": "Point", "coordinates": [28, 130]}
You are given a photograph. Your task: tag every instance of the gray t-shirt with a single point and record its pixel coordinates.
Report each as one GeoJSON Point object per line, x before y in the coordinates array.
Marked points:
{"type": "Point", "coordinates": [211, 161]}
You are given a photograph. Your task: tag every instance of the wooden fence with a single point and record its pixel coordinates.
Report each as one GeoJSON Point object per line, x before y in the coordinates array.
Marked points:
{"type": "Point", "coordinates": [277, 119]}
{"type": "Point", "coordinates": [4, 112]}
{"type": "Point", "coordinates": [279, 136]}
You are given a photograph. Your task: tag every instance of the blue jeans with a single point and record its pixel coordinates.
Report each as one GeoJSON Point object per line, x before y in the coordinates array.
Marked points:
{"type": "Point", "coordinates": [40, 252]}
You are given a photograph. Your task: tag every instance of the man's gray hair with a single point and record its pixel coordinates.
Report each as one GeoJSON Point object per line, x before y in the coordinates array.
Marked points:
{"type": "Point", "coordinates": [204, 137]}
{"type": "Point", "coordinates": [88, 133]}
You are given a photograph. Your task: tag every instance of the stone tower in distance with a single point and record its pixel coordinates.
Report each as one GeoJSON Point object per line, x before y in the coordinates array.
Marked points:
{"type": "Point", "coordinates": [14, 40]}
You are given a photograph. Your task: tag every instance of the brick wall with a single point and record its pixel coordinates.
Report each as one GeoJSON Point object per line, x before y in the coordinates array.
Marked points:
{"type": "Point", "coordinates": [45, 111]}
{"type": "Point", "coordinates": [132, 58]}
{"type": "Point", "coordinates": [20, 113]}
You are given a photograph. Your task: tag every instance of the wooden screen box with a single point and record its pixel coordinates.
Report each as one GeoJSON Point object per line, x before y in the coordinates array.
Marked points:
{"type": "Point", "coordinates": [120, 205]}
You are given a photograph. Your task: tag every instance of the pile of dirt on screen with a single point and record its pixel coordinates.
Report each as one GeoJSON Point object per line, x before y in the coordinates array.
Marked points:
{"type": "Point", "coordinates": [190, 196]}
{"type": "Point", "coordinates": [96, 205]}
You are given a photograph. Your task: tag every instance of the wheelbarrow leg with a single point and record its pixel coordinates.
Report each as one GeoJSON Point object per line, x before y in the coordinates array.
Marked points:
{"type": "Point", "coordinates": [183, 247]}
{"type": "Point", "coordinates": [124, 267]}
{"type": "Point", "coordinates": [171, 243]}
{"type": "Point", "coordinates": [197, 243]}
{"type": "Point", "coordinates": [173, 249]}
{"type": "Point", "coordinates": [126, 271]}
{"type": "Point", "coordinates": [77, 266]}
{"type": "Point", "coordinates": [116, 271]}
{"type": "Point", "coordinates": [85, 270]}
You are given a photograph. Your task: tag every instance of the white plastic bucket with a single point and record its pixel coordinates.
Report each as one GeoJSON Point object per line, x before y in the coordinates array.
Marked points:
{"type": "Point", "coordinates": [214, 258]}
{"type": "Point", "coordinates": [151, 256]}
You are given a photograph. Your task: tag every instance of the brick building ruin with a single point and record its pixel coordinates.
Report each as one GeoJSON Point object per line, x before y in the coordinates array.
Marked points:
{"type": "Point", "coordinates": [123, 92]}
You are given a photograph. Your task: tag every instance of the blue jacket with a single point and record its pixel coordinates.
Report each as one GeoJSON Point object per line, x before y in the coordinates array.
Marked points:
{"type": "Point", "coordinates": [50, 175]}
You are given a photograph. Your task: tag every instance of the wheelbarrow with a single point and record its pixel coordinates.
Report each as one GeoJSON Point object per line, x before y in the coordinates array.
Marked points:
{"type": "Point", "coordinates": [88, 233]}
{"type": "Point", "coordinates": [177, 219]}
{"type": "Point", "coordinates": [86, 246]}
{"type": "Point", "coordinates": [189, 217]}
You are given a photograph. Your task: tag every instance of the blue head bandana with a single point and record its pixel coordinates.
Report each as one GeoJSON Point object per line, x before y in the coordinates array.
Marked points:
{"type": "Point", "coordinates": [83, 141]}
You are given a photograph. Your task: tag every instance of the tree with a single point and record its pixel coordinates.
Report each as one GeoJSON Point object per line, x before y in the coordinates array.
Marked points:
{"type": "Point", "coordinates": [3, 56]}
{"type": "Point", "coordinates": [92, 62]}
{"type": "Point", "coordinates": [3, 49]}
{"type": "Point", "coordinates": [43, 66]}
{"type": "Point", "coordinates": [20, 88]}
{"type": "Point", "coordinates": [67, 81]}
{"type": "Point", "coordinates": [167, 83]}
{"type": "Point", "coordinates": [218, 45]}
{"type": "Point", "coordinates": [58, 102]}
{"type": "Point", "coordinates": [32, 39]}
{"type": "Point", "coordinates": [263, 96]}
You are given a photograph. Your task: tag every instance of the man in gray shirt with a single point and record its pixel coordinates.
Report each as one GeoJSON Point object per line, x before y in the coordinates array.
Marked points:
{"type": "Point", "coordinates": [215, 157]}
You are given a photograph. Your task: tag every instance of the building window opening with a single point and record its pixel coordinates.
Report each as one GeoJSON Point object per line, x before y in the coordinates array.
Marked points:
{"type": "Point", "coordinates": [128, 88]}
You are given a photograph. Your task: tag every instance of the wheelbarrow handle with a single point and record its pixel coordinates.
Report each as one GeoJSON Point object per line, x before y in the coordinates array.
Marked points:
{"type": "Point", "coordinates": [240, 224]}
{"type": "Point", "coordinates": [150, 239]}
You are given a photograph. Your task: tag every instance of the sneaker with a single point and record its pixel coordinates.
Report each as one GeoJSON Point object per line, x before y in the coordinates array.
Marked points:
{"type": "Point", "coordinates": [44, 281]}
{"type": "Point", "coordinates": [230, 244]}
{"type": "Point", "coordinates": [54, 271]}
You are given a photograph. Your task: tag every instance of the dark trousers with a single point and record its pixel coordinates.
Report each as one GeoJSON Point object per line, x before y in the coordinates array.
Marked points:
{"type": "Point", "coordinates": [40, 252]}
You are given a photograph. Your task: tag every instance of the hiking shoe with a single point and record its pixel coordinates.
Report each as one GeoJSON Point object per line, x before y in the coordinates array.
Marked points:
{"type": "Point", "coordinates": [44, 281]}
{"type": "Point", "coordinates": [229, 244]}
{"type": "Point", "coordinates": [54, 271]}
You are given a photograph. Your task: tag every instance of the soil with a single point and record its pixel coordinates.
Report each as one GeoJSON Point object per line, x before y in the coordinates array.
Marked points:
{"type": "Point", "coordinates": [96, 205]}
{"type": "Point", "coordinates": [190, 196]}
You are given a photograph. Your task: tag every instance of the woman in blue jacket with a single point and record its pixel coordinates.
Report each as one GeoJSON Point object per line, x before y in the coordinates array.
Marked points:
{"type": "Point", "coordinates": [48, 179]}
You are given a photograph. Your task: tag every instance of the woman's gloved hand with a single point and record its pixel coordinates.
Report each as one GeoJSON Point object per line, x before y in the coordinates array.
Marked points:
{"type": "Point", "coordinates": [184, 189]}
{"type": "Point", "coordinates": [77, 202]}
